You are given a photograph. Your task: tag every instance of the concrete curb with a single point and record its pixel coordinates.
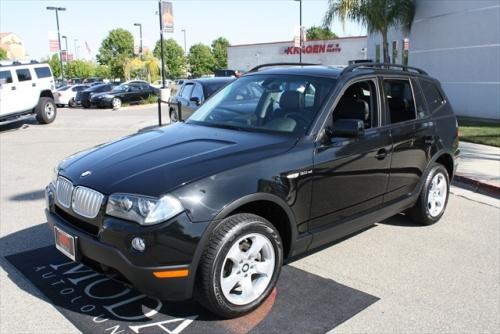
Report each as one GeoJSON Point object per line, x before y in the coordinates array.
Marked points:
{"type": "Point", "coordinates": [478, 186]}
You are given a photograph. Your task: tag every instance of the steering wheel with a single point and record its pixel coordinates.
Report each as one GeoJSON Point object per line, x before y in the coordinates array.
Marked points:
{"type": "Point", "coordinates": [296, 116]}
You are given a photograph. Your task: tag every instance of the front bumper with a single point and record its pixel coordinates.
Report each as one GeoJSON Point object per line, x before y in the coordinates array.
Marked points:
{"type": "Point", "coordinates": [169, 246]}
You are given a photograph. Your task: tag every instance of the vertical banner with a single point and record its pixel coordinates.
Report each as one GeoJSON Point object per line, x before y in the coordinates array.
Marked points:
{"type": "Point", "coordinates": [167, 16]}
{"type": "Point", "coordinates": [53, 42]}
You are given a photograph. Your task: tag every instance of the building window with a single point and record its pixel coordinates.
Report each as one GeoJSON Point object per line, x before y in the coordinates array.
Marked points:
{"type": "Point", "coordinates": [394, 51]}
{"type": "Point", "coordinates": [377, 53]}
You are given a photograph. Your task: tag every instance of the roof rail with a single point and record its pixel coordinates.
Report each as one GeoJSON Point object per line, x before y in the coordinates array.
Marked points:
{"type": "Point", "coordinates": [256, 68]}
{"type": "Point", "coordinates": [18, 62]}
{"type": "Point", "coordinates": [353, 67]}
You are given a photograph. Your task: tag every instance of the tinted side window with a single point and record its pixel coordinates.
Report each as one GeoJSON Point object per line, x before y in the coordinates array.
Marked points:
{"type": "Point", "coordinates": [400, 101]}
{"type": "Point", "coordinates": [359, 101]}
{"type": "Point", "coordinates": [432, 95]}
{"type": "Point", "coordinates": [6, 75]}
{"type": "Point", "coordinates": [43, 72]}
{"type": "Point", "coordinates": [23, 74]}
{"type": "Point", "coordinates": [198, 92]}
{"type": "Point", "coordinates": [135, 88]}
{"type": "Point", "coordinates": [186, 91]}
{"type": "Point", "coordinates": [422, 110]}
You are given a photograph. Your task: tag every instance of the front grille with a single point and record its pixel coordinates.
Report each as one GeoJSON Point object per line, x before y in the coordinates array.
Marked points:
{"type": "Point", "coordinates": [64, 189]}
{"type": "Point", "coordinates": [87, 202]}
{"type": "Point", "coordinates": [77, 223]}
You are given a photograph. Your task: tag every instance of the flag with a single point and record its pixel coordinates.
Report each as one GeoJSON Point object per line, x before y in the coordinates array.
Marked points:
{"type": "Point", "coordinates": [167, 16]}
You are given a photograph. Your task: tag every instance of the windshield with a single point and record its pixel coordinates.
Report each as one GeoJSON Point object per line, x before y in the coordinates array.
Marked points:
{"type": "Point", "coordinates": [269, 103]}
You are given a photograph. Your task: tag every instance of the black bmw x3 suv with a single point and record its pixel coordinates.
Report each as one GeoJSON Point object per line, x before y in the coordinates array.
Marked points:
{"type": "Point", "coordinates": [211, 207]}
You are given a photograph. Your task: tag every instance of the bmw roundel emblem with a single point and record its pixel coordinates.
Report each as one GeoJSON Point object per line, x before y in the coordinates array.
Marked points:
{"type": "Point", "coordinates": [87, 173]}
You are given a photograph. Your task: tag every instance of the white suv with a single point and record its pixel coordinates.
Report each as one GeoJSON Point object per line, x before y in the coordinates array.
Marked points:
{"type": "Point", "coordinates": [27, 89]}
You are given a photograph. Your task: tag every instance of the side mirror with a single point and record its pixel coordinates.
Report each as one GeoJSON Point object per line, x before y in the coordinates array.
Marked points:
{"type": "Point", "coordinates": [195, 99]}
{"type": "Point", "coordinates": [348, 128]}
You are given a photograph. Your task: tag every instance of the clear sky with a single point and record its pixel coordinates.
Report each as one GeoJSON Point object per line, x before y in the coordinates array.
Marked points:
{"type": "Point", "coordinates": [240, 21]}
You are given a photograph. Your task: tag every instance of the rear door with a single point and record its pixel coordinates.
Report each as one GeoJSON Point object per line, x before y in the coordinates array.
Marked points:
{"type": "Point", "coordinates": [26, 89]}
{"type": "Point", "coordinates": [413, 135]}
{"type": "Point", "coordinates": [8, 93]}
{"type": "Point", "coordinates": [351, 174]}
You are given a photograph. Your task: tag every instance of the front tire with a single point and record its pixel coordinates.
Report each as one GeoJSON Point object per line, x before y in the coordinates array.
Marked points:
{"type": "Point", "coordinates": [46, 110]}
{"type": "Point", "coordinates": [72, 103]}
{"type": "Point", "coordinates": [240, 266]}
{"type": "Point", "coordinates": [431, 203]}
{"type": "Point", "coordinates": [116, 103]}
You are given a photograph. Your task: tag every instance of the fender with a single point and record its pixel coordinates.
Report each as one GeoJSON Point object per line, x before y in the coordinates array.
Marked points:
{"type": "Point", "coordinates": [224, 213]}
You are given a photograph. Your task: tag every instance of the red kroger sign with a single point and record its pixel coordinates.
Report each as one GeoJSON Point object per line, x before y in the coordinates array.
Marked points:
{"type": "Point", "coordinates": [314, 48]}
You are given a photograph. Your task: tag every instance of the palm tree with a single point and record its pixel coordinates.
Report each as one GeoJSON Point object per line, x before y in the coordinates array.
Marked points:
{"type": "Point", "coordinates": [377, 15]}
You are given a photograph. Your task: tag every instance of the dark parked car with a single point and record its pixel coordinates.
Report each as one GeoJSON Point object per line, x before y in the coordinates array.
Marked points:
{"type": "Point", "coordinates": [192, 94]}
{"type": "Point", "coordinates": [129, 92]}
{"type": "Point", "coordinates": [83, 97]}
{"type": "Point", "coordinates": [213, 206]}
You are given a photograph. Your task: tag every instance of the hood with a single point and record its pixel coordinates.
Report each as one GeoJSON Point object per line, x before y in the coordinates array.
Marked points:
{"type": "Point", "coordinates": [157, 161]}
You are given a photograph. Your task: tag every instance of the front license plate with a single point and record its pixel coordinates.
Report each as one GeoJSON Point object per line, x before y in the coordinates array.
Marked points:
{"type": "Point", "coordinates": [65, 243]}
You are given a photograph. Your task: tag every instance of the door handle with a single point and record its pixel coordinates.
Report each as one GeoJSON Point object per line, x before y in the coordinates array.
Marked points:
{"type": "Point", "coordinates": [33, 84]}
{"type": "Point", "coordinates": [381, 154]}
{"type": "Point", "coordinates": [13, 88]}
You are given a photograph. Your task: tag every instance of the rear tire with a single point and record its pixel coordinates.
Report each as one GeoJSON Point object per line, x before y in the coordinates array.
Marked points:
{"type": "Point", "coordinates": [431, 203]}
{"type": "Point", "coordinates": [46, 110]}
{"type": "Point", "coordinates": [174, 116]}
{"type": "Point", "coordinates": [240, 265]}
{"type": "Point", "coordinates": [72, 103]}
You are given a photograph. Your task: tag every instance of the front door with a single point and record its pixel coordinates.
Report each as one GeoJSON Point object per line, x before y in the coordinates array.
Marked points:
{"type": "Point", "coordinates": [351, 174]}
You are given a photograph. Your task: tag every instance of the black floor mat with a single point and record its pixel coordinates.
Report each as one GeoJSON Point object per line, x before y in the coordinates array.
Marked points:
{"type": "Point", "coordinates": [301, 303]}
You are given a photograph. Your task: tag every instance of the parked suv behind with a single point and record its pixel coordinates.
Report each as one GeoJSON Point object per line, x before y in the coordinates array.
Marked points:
{"type": "Point", "coordinates": [26, 88]}
{"type": "Point", "coordinates": [213, 206]}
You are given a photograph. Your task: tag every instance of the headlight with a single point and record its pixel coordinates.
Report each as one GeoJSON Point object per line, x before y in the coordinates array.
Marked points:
{"type": "Point", "coordinates": [143, 210]}
{"type": "Point", "coordinates": [55, 173]}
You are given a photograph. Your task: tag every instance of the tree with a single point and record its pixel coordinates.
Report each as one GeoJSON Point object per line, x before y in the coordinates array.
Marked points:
{"type": "Point", "coordinates": [173, 57]}
{"type": "Point", "coordinates": [219, 50]}
{"type": "Point", "coordinates": [102, 71]}
{"type": "Point", "coordinates": [3, 54]}
{"type": "Point", "coordinates": [201, 60]}
{"type": "Point", "coordinates": [377, 15]}
{"type": "Point", "coordinates": [116, 49]}
{"type": "Point", "coordinates": [55, 65]}
{"type": "Point", "coordinates": [316, 32]}
{"type": "Point", "coordinates": [80, 69]}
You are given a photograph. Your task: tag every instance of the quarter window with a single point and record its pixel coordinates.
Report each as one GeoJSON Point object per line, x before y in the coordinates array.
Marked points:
{"type": "Point", "coordinates": [6, 75]}
{"type": "Point", "coordinates": [432, 95]}
{"type": "Point", "coordinates": [23, 74]}
{"type": "Point", "coordinates": [43, 72]}
{"type": "Point", "coordinates": [400, 100]}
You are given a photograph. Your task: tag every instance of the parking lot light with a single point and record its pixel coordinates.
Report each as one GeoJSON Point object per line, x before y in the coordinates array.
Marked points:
{"type": "Point", "coordinates": [57, 10]}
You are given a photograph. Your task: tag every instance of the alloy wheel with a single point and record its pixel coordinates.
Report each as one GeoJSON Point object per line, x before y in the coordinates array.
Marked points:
{"type": "Point", "coordinates": [49, 110]}
{"type": "Point", "coordinates": [247, 269]}
{"type": "Point", "coordinates": [436, 198]}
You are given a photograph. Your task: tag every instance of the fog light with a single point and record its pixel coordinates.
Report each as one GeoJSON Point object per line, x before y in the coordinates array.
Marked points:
{"type": "Point", "coordinates": [138, 244]}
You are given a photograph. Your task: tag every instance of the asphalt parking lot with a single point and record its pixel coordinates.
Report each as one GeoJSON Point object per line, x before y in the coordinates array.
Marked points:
{"type": "Point", "coordinates": [441, 278]}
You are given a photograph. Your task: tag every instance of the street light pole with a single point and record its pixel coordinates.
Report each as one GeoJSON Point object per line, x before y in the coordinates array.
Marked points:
{"type": "Point", "coordinates": [301, 37]}
{"type": "Point", "coordinates": [185, 48]}
{"type": "Point", "coordinates": [76, 52]}
{"type": "Point", "coordinates": [140, 38]}
{"type": "Point", "coordinates": [162, 61]}
{"type": "Point", "coordinates": [57, 9]}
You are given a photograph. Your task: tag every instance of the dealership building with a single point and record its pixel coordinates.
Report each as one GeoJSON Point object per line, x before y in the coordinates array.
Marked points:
{"type": "Point", "coordinates": [457, 42]}
{"type": "Point", "coordinates": [328, 52]}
